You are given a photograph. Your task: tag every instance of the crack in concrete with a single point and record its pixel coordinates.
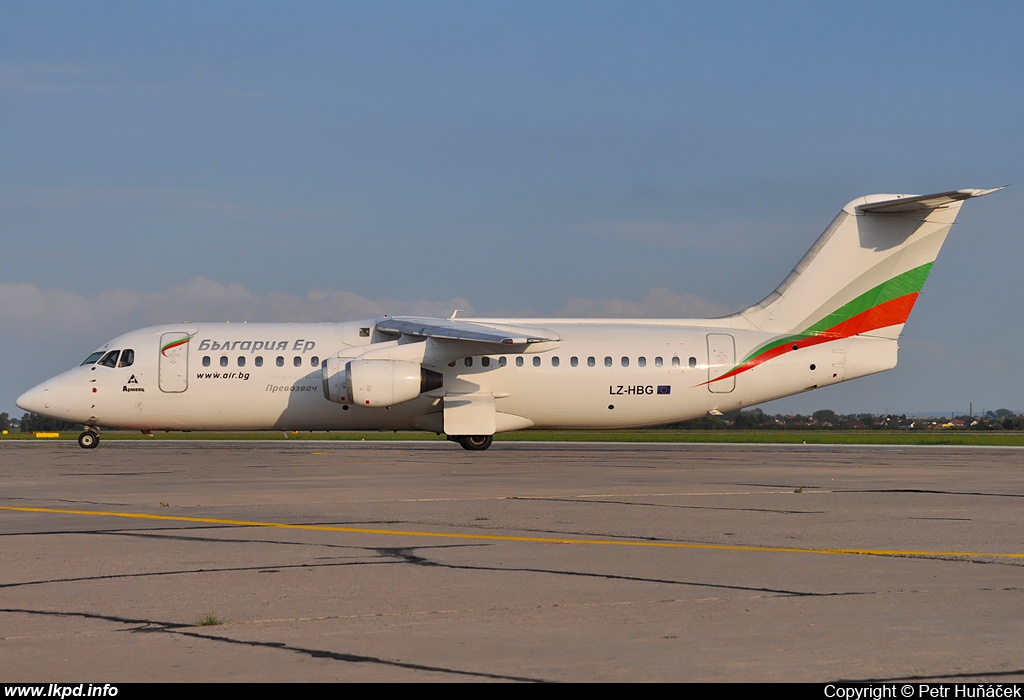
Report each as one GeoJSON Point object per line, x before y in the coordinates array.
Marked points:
{"type": "Point", "coordinates": [187, 630]}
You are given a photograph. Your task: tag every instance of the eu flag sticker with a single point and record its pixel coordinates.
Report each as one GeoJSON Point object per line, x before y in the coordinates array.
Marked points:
{"type": "Point", "coordinates": [662, 389]}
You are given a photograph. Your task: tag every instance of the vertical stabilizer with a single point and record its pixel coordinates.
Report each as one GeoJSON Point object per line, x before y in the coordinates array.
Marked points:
{"type": "Point", "coordinates": [863, 275]}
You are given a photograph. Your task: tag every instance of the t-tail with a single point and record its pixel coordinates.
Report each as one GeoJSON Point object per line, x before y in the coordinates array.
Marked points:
{"type": "Point", "coordinates": [858, 282]}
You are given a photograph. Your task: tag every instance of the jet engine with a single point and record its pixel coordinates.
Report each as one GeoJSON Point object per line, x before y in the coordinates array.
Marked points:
{"type": "Point", "coordinates": [376, 383]}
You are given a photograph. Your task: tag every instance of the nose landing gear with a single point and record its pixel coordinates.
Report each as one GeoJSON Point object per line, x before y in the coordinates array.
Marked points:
{"type": "Point", "coordinates": [88, 439]}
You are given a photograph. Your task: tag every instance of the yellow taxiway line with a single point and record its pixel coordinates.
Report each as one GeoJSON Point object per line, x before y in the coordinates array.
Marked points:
{"type": "Point", "coordinates": [517, 538]}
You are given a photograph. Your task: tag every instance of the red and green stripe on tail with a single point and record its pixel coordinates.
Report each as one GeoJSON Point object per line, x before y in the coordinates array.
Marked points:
{"type": "Point", "coordinates": [888, 304]}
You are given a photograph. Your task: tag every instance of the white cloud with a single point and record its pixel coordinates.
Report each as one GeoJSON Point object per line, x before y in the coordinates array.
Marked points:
{"type": "Point", "coordinates": [41, 78]}
{"type": "Point", "coordinates": [32, 311]}
{"type": "Point", "coordinates": [39, 312]}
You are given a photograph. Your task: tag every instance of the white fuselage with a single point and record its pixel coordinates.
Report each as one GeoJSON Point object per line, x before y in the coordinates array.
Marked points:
{"type": "Point", "coordinates": [835, 317]}
{"type": "Point", "coordinates": [600, 374]}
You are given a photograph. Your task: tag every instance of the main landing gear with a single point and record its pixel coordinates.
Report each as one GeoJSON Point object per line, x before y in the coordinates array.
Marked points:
{"type": "Point", "coordinates": [474, 443]}
{"type": "Point", "coordinates": [88, 440]}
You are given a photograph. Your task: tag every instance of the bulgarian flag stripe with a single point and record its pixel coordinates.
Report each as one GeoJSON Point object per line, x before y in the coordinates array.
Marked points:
{"type": "Point", "coordinates": [175, 343]}
{"type": "Point", "coordinates": [910, 282]}
{"type": "Point", "coordinates": [888, 304]}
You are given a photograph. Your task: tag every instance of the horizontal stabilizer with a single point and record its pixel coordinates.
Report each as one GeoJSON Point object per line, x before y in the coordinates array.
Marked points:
{"type": "Point", "coordinates": [923, 202]}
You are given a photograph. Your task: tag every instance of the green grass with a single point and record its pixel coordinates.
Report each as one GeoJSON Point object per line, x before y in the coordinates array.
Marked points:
{"type": "Point", "coordinates": [996, 438]}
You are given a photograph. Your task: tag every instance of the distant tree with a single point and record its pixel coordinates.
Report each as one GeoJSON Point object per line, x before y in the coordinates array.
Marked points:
{"type": "Point", "coordinates": [868, 419]}
{"type": "Point", "coordinates": [754, 418]}
{"type": "Point", "coordinates": [34, 423]}
{"type": "Point", "coordinates": [5, 421]}
{"type": "Point", "coordinates": [703, 423]}
{"type": "Point", "coordinates": [826, 416]}
{"type": "Point", "coordinates": [1013, 422]}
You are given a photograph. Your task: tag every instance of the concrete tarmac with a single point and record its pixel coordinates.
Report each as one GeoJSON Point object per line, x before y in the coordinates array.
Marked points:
{"type": "Point", "coordinates": [329, 561]}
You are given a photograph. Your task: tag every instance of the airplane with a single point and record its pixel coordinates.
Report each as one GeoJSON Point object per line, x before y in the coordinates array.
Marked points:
{"type": "Point", "coordinates": [837, 316]}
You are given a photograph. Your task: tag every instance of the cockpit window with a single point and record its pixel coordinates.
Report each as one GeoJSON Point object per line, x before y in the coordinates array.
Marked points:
{"type": "Point", "coordinates": [91, 360]}
{"type": "Point", "coordinates": [127, 358]}
{"type": "Point", "coordinates": [110, 359]}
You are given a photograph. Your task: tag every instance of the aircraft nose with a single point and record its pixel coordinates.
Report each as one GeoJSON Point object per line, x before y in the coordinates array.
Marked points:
{"type": "Point", "coordinates": [37, 399]}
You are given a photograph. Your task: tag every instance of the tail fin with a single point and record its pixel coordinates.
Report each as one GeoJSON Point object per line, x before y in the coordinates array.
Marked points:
{"type": "Point", "coordinates": [863, 275]}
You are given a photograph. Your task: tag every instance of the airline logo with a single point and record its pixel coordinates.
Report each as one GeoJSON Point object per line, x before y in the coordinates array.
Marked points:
{"type": "Point", "coordinates": [300, 345]}
{"type": "Point", "coordinates": [176, 344]}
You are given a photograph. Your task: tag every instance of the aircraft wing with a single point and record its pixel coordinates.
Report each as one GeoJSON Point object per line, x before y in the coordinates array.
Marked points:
{"type": "Point", "coordinates": [476, 332]}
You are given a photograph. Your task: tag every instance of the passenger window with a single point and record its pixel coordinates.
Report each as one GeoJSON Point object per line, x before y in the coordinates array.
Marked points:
{"type": "Point", "coordinates": [625, 362]}
{"type": "Point", "coordinates": [280, 361]}
{"type": "Point", "coordinates": [91, 360]}
{"type": "Point", "coordinates": [519, 362]}
{"type": "Point", "coordinates": [206, 360]}
{"type": "Point", "coordinates": [315, 361]}
{"type": "Point", "coordinates": [536, 362]}
{"type": "Point", "coordinates": [574, 361]}
{"type": "Point", "coordinates": [693, 362]}
{"type": "Point", "coordinates": [502, 361]}
{"type": "Point", "coordinates": [468, 362]}
{"type": "Point", "coordinates": [591, 362]}
{"type": "Point", "coordinates": [259, 361]}
{"type": "Point", "coordinates": [641, 361]}
{"type": "Point", "coordinates": [127, 358]}
{"type": "Point", "coordinates": [241, 361]}
{"type": "Point", "coordinates": [675, 361]}
{"type": "Point", "coordinates": [658, 362]}
{"type": "Point", "coordinates": [554, 362]}
{"type": "Point", "coordinates": [223, 360]}
{"type": "Point", "coordinates": [297, 361]}
{"type": "Point", "coordinates": [485, 362]}
{"type": "Point", "coordinates": [607, 362]}
{"type": "Point", "coordinates": [110, 359]}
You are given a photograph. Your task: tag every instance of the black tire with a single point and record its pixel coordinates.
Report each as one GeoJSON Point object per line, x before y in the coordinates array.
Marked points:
{"type": "Point", "coordinates": [476, 443]}
{"type": "Point", "coordinates": [88, 440]}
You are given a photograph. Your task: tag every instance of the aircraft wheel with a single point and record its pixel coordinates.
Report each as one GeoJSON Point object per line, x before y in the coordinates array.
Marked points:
{"type": "Point", "coordinates": [476, 443]}
{"type": "Point", "coordinates": [88, 440]}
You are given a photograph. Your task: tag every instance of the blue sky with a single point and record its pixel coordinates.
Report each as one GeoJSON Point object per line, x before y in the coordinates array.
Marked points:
{"type": "Point", "coordinates": [254, 161]}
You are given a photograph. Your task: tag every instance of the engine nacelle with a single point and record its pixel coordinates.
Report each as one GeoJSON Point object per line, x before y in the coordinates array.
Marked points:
{"type": "Point", "coordinates": [335, 378]}
{"type": "Point", "coordinates": [376, 383]}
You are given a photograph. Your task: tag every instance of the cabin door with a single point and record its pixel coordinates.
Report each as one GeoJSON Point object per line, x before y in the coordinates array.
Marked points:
{"type": "Point", "coordinates": [721, 360]}
{"type": "Point", "coordinates": [174, 362]}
